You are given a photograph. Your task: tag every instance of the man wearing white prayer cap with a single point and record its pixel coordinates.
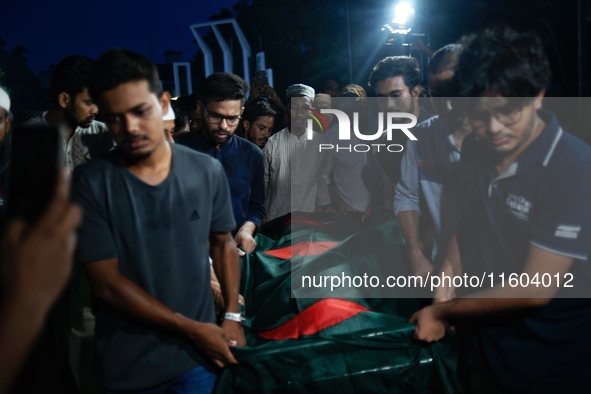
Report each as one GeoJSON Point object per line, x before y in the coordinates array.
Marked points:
{"type": "Point", "coordinates": [290, 155]}
{"type": "Point", "coordinates": [4, 142]}
{"type": "Point", "coordinates": [4, 114]}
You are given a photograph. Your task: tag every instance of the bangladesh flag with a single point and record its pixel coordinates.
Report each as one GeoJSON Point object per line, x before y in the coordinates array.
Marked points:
{"type": "Point", "coordinates": [302, 337]}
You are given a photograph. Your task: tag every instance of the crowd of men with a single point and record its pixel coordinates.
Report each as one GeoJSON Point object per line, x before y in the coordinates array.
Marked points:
{"type": "Point", "coordinates": [167, 194]}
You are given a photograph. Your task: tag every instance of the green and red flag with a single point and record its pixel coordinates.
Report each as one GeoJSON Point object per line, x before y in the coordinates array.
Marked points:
{"type": "Point", "coordinates": [309, 341]}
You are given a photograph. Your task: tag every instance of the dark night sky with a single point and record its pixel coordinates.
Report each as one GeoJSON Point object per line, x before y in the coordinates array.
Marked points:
{"type": "Point", "coordinates": [51, 30]}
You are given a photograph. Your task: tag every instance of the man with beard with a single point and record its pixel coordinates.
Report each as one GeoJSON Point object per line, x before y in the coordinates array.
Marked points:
{"type": "Point", "coordinates": [149, 225]}
{"type": "Point", "coordinates": [396, 80]}
{"type": "Point", "coordinates": [74, 112]}
{"type": "Point", "coordinates": [258, 121]}
{"type": "Point", "coordinates": [294, 167]}
{"type": "Point", "coordinates": [223, 100]}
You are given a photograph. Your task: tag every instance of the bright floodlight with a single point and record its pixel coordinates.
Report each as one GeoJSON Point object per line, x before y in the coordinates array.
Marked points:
{"type": "Point", "coordinates": [402, 12]}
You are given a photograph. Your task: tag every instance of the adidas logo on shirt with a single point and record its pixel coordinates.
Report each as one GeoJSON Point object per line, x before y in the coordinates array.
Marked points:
{"type": "Point", "coordinates": [194, 215]}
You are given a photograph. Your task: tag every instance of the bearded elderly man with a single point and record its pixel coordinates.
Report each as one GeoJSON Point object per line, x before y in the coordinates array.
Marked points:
{"type": "Point", "coordinates": [294, 167]}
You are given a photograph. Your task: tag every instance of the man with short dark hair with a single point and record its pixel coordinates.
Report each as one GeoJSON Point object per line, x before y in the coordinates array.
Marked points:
{"type": "Point", "coordinates": [223, 100]}
{"type": "Point", "coordinates": [144, 242]}
{"type": "Point", "coordinates": [425, 199]}
{"type": "Point", "coordinates": [330, 84]}
{"type": "Point", "coordinates": [258, 121]}
{"type": "Point", "coordinates": [73, 111]}
{"type": "Point", "coordinates": [397, 81]}
{"type": "Point", "coordinates": [524, 188]}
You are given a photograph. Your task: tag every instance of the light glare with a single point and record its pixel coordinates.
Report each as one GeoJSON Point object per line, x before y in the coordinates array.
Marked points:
{"type": "Point", "coordinates": [402, 12]}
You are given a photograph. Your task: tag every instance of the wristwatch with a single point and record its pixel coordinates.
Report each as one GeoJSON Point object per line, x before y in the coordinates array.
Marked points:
{"type": "Point", "coordinates": [237, 317]}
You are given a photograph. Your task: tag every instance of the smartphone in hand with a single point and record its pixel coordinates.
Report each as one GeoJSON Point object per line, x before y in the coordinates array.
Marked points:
{"type": "Point", "coordinates": [35, 159]}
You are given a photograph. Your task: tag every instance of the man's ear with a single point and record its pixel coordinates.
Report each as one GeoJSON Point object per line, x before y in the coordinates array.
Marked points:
{"type": "Point", "coordinates": [164, 100]}
{"type": "Point", "coordinates": [200, 107]}
{"type": "Point", "coordinates": [64, 100]}
{"type": "Point", "coordinates": [246, 125]}
{"type": "Point", "coordinates": [416, 91]}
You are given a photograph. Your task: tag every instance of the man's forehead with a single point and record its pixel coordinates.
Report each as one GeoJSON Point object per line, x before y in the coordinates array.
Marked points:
{"type": "Point", "coordinates": [126, 97]}
{"type": "Point", "coordinates": [492, 101]}
{"type": "Point", "coordinates": [392, 83]}
{"type": "Point", "coordinates": [444, 77]}
{"type": "Point", "coordinates": [300, 100]}
{"type": "Point", "coordinates": [264, 119]}
{"type": "Point", "coordinates": [225, 105]}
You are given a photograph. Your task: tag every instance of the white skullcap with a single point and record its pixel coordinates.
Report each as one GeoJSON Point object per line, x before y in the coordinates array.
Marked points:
{"type": "Point", "coordinates": [4, 100]}
{"type": "Point", "coordinates": [169, 114]}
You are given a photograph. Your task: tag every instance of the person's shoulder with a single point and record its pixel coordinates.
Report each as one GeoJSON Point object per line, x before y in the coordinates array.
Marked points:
{"type": "Point", "coordinates": [186, 152]}
{"type": "Point", "coordinates": [275, 138]}
{"type": "Point", "coordinates": [37, 120]}
{"type": "Point", "coordinates": [430, 127]}
{"type": "Point", "coordinates": [99, 127]}
{"type": "Point", "coordinates": [245, 144]}
{"type": "Point", "coordinates": [569, 153]}
{"type": "Point", "coordinates": [248, 148]}
{"type": "Point", "coordinates": [99, 164]}
{"type": "Point", "coordinates": [186, 138]}
{"type": "Point", "coordinates": [571, 146]}
{"type": "Point", "coordinates": [186, 155]}
{"type": "Point", "coordinates": [473, 150]}
{"type": "Point", "coordinates": [96, 170]}
{"type": "Point", "coordinates": [433, 121]}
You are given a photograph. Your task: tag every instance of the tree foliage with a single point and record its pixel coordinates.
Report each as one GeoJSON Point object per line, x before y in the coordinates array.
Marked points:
{"type": "Point", "coordinates": [19, 80]}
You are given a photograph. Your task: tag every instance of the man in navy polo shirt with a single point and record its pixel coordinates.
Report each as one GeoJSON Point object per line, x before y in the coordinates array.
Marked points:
{"type": "Point", "coordinates": [223, 100]}
{"type": "Point", "coordinates": [524, 187]}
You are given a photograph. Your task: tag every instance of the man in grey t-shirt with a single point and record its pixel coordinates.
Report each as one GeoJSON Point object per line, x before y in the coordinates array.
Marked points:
{"type": "Point", "coordinates": [143, 242]}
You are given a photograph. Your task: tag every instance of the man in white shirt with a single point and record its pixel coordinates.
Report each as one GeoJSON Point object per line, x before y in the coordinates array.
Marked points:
{"type": "Point", "coordinates": [73, 112]}
{"type": "Point", "coordinates": [294, 167]}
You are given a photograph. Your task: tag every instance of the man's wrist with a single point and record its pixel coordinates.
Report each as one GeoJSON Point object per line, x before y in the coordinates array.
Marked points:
{"type": "Point", "coordinates": [237, 317]}
{"type": "Point", "coordinates": [182, 324]}
{"type": "Point", "coordinates": [416, 252]}
{"type": "Point", "coordinates": [248, 228]}
{"type": "Point", "coordinates": [439, 310]}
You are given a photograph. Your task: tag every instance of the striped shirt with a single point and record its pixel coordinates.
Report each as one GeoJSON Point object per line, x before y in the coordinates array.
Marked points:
{"type": "Point", "coordinates": [85, 144]}
{"type": "Point", "coordinates": [294, 170]}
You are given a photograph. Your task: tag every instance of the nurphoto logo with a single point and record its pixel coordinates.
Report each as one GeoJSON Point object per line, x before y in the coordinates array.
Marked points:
{"type": "Point", "coordinates": [391, 119]}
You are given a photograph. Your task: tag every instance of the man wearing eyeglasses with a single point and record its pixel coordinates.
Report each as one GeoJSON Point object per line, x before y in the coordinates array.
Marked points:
{"type": "Point", "coordinates": [524, 185]}
{"type": "Point", "coordinates": [223, 104]}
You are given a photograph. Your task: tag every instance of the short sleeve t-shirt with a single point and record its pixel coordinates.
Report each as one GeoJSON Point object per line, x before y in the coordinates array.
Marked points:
{"type": "Point", "coordinates": [542, 200]}
{"type": "Point", "coordinates": [159, 235]}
